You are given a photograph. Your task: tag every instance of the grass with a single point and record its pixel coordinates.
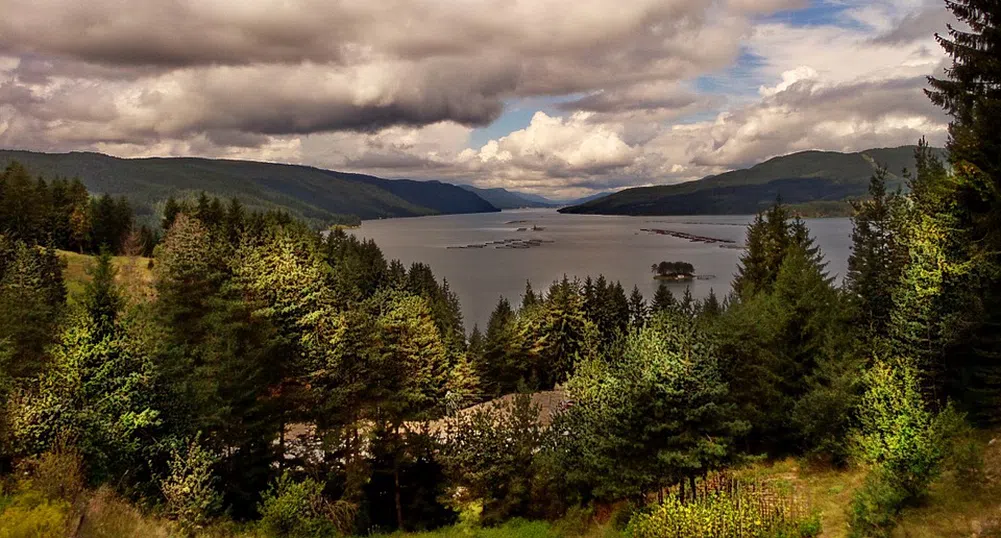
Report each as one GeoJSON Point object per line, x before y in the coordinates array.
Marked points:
{"type": "Point", "coordinates": [133, 272]}
{"type": "Point", "coordinates": [515, 528]}
{"type": "Point", "coordinates": [952, 507]}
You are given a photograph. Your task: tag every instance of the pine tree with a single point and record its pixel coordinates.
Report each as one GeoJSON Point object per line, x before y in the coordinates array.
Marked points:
{"type": "Point", "coordinates": [656, 417]}
{"type": "Point", "coordinates": [101, 297]}
{"type": "Point", "coordinates": [638, 310]}
{"type": "Point", "coordinates": [967, 210]}
{"type": "Point", "coordinates": [170, 211]}
{"type": "Point", "coordinates": [878, 258]}
{"type": "Point", "coordinates": [529, 298]}
{"type": "Point", "coordinates": [971, 90]}
{"type": "Point", "coordinates": [663, 299]}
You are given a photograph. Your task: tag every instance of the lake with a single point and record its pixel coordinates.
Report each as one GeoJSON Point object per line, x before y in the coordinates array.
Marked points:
{"type": "Point", "coordinates": [575, 245]}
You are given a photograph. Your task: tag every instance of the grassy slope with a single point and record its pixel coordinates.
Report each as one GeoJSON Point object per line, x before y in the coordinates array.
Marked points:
{"type": "Point", "coordinates": [134, 273]}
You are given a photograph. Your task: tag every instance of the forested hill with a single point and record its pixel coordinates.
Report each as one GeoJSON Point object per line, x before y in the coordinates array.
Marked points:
{"type": "Point", "coordinates": [316, 195]}
{"type": "Point", "coordinates": [815, 178]}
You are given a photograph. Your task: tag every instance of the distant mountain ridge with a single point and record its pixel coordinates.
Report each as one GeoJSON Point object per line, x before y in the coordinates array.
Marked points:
{"type": "Point", "coordinates": [314, 194]}
{"type": "Point", "coordinates": [505, 199]}
{"type": "Point", "coordinates": [810, 178]}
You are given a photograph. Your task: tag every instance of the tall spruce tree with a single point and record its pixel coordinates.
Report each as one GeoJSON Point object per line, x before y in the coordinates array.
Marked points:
{"type": "Point", "coordinates": [877, 258]}
{"type": "Point", "coordinates": [969, 306]}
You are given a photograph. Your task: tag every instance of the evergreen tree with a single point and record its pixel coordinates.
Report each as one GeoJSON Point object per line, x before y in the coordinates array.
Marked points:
{"type": "Point", "coordinates": [878, 257]}
{"type": "Point", "coordinates": [170, 211]}
{"type": "Point", "coordinates": [971, 89]}
{"type": "Point", "coordinates": [529, 298]}
{"type": "Point", "coordinates": [102, 391]}
{"type": "Point", "coordinates": [638, 310]}
{"type": "Point", "coordinates": [657, 417]}
{"type": "Point", "coordinates": [971, 93]}
{"type": "Point", "coordinates": [32, 301]}
{"type": "Point", "coordinates": [101, 297]}
{"type": "Point", "coordinates": [769, 237]}
{"type": "Point", "coordinates": [663, 299]}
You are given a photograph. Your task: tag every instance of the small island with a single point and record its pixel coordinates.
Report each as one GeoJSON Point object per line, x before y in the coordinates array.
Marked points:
{"type": "Point", "coordinates": [673, 271]}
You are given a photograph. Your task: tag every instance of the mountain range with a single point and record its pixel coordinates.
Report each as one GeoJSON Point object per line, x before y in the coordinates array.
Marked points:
{"type": "Point", "coordinates": [319, 196]}
{"type": "Point", "coordinates": [818, 182]}
{"type": "Point", "coordinates": [505, 199]}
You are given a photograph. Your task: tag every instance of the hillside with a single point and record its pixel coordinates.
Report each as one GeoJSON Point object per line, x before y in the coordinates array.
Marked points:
{"type": "Point", "coordinates": [505, 199]}
{"type": "Point", "coordinates": [317, 195]}
{"type": "Point", "coordinates": [815, 178]}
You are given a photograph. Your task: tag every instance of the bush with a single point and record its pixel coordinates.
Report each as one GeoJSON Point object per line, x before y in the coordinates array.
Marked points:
{"type": "Point", "coordinates": [189, 489]}
{"type": "Point", "coordinates": [31, 515]}
{"type": "Point", "coordinates": [296, 510]}
{"type": "Point", "coordinates": [575, 522]}
{"type": "Point", "coordinates": [875, 505]}
{"type": "Point", "coordinates": [57, 474]}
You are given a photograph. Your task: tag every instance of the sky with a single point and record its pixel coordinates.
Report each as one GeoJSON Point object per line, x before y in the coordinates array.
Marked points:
{"type": "Point", "coordinates": [562, 98]}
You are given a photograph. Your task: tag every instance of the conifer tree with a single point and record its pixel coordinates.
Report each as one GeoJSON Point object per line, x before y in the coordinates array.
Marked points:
{"type": "Point", "coordinates": [529, 298]}
{"type": "Point", "coordinates": [663, 299]}
{"type": "Point", "coordinates": [638, 309]}
{"type": "Point", "coordinates": [878, 257]}
{"type": "Point", "coordinates": [971, 93]}
{"type": "Point", "coordinates": [971, 90]}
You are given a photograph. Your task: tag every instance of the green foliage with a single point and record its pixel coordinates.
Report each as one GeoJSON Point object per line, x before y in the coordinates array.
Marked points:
{"type": "Point", "coordinates": [32, 515]}
{"type": "Point", "coordinates": [878, 257]}
{"type": "Point", "coordinates": [897, 432]}
{"type": "Point", "coordinates": [901, 440]}
{"type": "Point", "coordinates": [100, 392]}
{"type": "Point", "coordinates": [875, 506]}
{"type": "Point", "coordinates": [785, 343]}
{"type": "Point", "coordinates": [295, 510]}
{"type": "Point", "coordinates": [190, 489]}
{"type": "Point", "coordinates": [32, 300]}
{"type": "Point", "coordinates": [673, 269]}
{"type": "Point", "coordinates": [61, 213]}
{"type": "Point", "coordinates": [654, 417]}
{"type": "Point", "coordinates": [743, 514]}
{"type": "Point", "coordinates": [490, 455]}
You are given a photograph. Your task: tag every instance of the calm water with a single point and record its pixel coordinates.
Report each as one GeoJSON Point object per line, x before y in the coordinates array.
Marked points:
{"type": "Point", "coordinates": [581, 245]}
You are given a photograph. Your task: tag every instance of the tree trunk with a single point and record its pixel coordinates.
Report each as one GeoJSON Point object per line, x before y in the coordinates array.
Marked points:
{"type": "Point", "coordinates": [396, 494]}
{"type": "Point", "coordinates": [691, 482]}
{"type": "Point", "coordinates": [396, 484]}
{"type": "Point", "coordinates": [281, 447]}
{"type": "Point", "coordinates": [681, 491]}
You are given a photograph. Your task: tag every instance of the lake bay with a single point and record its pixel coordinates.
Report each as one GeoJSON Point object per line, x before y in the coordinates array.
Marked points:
{"type": "Point", "coordinates": [576, 246]}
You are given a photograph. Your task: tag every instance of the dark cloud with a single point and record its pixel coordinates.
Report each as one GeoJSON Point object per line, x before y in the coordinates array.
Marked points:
{"type": "Point", "coordinates": [917, 26]}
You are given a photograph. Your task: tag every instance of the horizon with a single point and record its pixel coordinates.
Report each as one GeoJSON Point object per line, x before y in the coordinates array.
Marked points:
{"type": "Point", "coordinates": [528, 99]}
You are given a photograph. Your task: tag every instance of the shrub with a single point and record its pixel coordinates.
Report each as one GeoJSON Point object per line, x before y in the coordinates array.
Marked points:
{"type": "Point", "coordinates": [875, 505]}
{"type": "Point", "coordinates": [57, 474]}
{"type": "Point", "coordinates": [109, 516]}
{"type": "Point", "coordinates": [31, 515]}
{"type": "Point", "coordinates": [189, 489]}
{"type": "Point", "coordinates": [295, 510]}
{"type": "Point", "coordinates": [575, 522]}
{"type": "Point", "coordinates": [903, 441]}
